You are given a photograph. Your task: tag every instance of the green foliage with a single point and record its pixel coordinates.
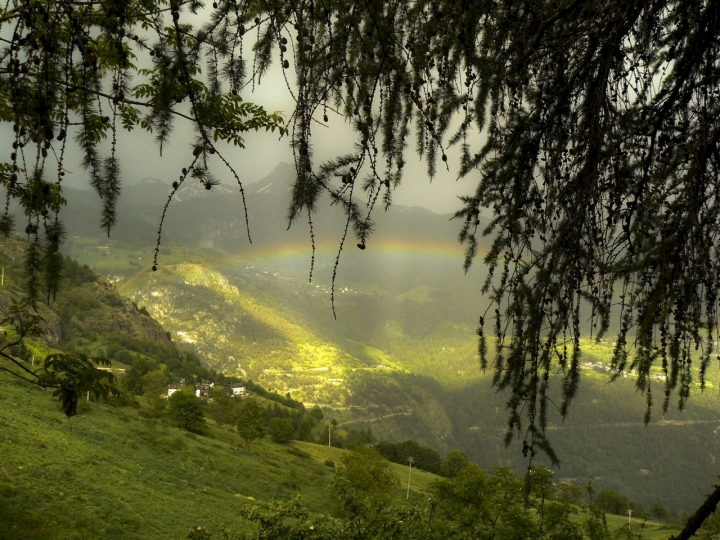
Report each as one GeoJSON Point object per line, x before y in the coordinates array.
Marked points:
{"type": "Point", "coordinates": [250, 422]}
{"type": "Point", "coordinates": [304, 430]}
{"type": "Point", "coordinates": [658, 512]}
{"type": "Point", "coordinates": [500, 506]}
{"type": "Point", "coordinates": [710, 528]}
{"type": "Point", "coordinates": [359, 437]}
{"type": "Point", "coordinates": [363, 483]}
{"type": "Point", "coordinates": [604, 434]}
{"type": "Point", "coordinates": [424, 458]}
{"type": "Point", "coordinates": [316, 412]}
{"type": "Point", "coordinates": [570, 494]}
{"type": "Point", "coordinates": [74, 375]}
{"type": "Point", "coordinates": [595, 526]}
{"type": "Point", "coordinates": [476, 500]}
{"type": "Point", "coordinates": [281, 430]}
{"type": "Point", "coordinates": [223, 407]}
{"type": "Point", "coordinates": [456, 461]}
{"type": "Point", "coordinates": [78, 474]}
{"type": "Point", "coordinates": [76, 274]}
{"type": "Point", "coordinates": [612, 502]}
{"type": "Point", "coordinates": [154, 384]}
{"type": "Point", "coordinates": [133, 380]}
{"type": "Point", "coordinates": [69, 375]}
{"type": "Point", "coordinates": [274, 396]}
{"type": "Point", "coordinates": [64, 69]}
{"type": "Point", "coordinates": [187, 412]}
{"type": "Point", "coordinates": [298, 452]}
{"type": "Point", "coordinates": [290, 520]}
{"type": "Point", "coordinates": [110, 472]}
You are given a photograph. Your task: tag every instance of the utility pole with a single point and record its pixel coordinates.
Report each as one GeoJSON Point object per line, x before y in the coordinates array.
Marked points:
{"type": "Point", "coordinates": [410, 460]}
{"type": "Point", "coordinates": [2, 280]}
{"type": "Point", "coordinates": [329, 431]}
{"type": "Point", "coordinates": [629, 514]}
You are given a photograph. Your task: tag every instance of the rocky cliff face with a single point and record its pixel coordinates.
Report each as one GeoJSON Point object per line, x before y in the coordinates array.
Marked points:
{"type": "Point", "coordinates": [125, 317]}
{"type": "Point", "coordinates": [86, 308]}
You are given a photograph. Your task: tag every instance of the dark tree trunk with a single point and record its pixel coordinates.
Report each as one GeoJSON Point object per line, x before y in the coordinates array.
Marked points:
{"type": "Point", "coordinates": [702, 513]}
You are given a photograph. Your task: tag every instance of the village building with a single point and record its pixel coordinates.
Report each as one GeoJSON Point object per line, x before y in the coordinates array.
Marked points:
{"type": "Point", "coordinates": [204, 388]}
{"type": "Point", "coordinates": [173, 388]}
{"type": "Point", "coordinates": [238, 389]}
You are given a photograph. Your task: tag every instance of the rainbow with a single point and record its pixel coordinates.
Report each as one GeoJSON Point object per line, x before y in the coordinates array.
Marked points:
{"type": "Point", "coordinates": [383, 247]}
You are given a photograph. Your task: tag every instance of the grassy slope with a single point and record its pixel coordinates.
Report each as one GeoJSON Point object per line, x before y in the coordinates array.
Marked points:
{"type": "Point", "coordinates": [110, 473]}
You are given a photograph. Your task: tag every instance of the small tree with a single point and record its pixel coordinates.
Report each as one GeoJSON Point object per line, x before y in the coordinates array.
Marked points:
{"type": "Point", "coordinates": [187, 412]}
{"type": "Point", "coordinates": [133, 381]}
{"type": "Point", "coordinates": [224, 408]}
{"type": "Point", "coordinates": [250, 422]}
{"type": "Point", "coordinates": [281, 430]}
{"type": "Point", "coordinates": [316, 412]}
{"type": "Point", "coordinates": [154, 387]}
{"type": "Point", "coordinates": [612, 502]}
{"type": "Point", "coordinates": [304, 431]}
{"type": "Point", "coordinates": [658, 512]}
{"type": "Point", "coordinates": [456, 461]}
{"type": "Point", "coordinates": [570, 494]}
{"type": "Point", "coordinates": [364, 482]}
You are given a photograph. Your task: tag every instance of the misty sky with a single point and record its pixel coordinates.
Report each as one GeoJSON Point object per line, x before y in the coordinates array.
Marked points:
{"type": "Point", "coordinates": [140, 156]}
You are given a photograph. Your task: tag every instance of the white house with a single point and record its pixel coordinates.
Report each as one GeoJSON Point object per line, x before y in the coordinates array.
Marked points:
{"type": "Point", "coordinates": [173, 388]}
{"type": "Point", "coordinates": [204, 388]}
{"type": "Point", "coordinates": [238, 389]}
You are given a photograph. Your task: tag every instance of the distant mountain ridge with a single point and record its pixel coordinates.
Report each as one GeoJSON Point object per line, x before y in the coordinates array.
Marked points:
{"type": "Point", "coordinates": [216, 218]}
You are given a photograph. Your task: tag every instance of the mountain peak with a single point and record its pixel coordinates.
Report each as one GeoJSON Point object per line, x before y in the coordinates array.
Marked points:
{"type": "Point", "coordinates": [278, 181]}
{"type": "Point", "coordinates": [150, 181]}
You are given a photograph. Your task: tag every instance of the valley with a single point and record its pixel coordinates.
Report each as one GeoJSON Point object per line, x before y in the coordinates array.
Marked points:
{"type": "Point", "coordinates": [401, 356]}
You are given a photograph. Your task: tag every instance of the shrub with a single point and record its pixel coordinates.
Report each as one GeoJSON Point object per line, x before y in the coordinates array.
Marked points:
{"type": "Point", "coordinates": [281, 430]}
{"type": "Point", "coordinates": [187, 412]}
{"type": "Point", "coordinates": [298, 452]}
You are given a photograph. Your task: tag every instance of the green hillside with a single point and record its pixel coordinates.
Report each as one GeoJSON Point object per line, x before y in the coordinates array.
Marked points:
{"type": "Point", "coordinates": [112, 473]}
{"type": "Point", "coordinates": [276, 330]}
{"type": "Point", "coordinates": [401, 356]}
{"type": "Point", "coordinates": [121, 470]}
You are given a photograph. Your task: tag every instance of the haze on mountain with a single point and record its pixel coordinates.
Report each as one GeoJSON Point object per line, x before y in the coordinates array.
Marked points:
{"type": "Point", "coordinates": [401, 357]}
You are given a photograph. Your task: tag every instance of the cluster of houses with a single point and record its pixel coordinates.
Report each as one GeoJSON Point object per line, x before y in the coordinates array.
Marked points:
{"type": "Point", "coordinates": [204, 389]}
